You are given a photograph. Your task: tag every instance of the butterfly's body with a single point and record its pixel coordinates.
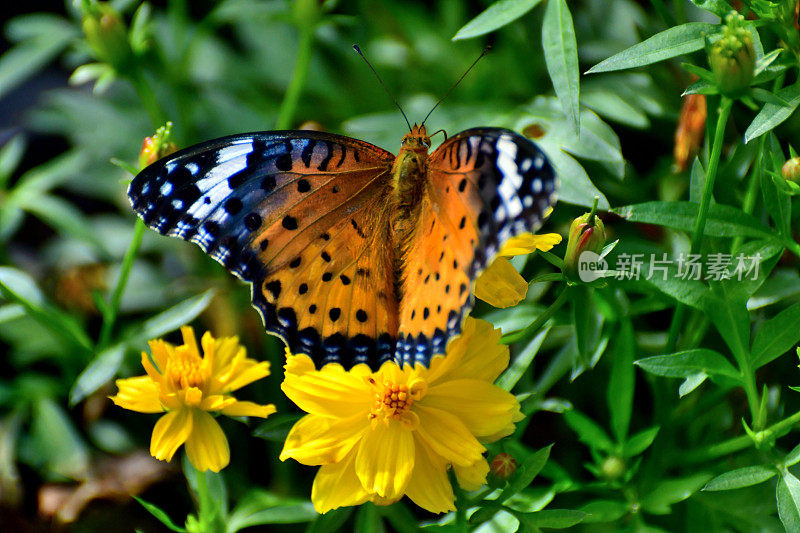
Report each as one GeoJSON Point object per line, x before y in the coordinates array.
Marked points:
{"type": "Point", "coordinates": [355, 255]}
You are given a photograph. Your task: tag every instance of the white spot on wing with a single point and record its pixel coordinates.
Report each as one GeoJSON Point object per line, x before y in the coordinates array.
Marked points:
{"type": "Point", "coordinates": [166, 189]}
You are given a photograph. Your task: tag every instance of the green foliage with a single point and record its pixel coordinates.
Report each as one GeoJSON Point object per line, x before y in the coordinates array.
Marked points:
{"type": "Point", "coordinates": [611, 440]}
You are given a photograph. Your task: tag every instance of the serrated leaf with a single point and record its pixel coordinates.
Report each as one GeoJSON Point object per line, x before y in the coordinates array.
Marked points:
{"type": "Point", "coordinates": [495, 16]}
{"type": "Point", "coordinates": [561, 58]}
{"type": "Point", "coordinates": [675, 41]}
{"type": "Point", "coordinates": [741, 477]}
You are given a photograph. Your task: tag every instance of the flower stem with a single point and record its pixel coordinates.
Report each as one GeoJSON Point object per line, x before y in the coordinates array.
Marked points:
{"type": "Point", "coordinates": [147, 97]}
{"type": "Point", "coordinates": [540, 320]}
{"type": "Point", "coordinates": [705, 202]}
{"type": "Point", "coordinates": [301, 67]}
{"type": "Point", "coordinates": [110, 316]}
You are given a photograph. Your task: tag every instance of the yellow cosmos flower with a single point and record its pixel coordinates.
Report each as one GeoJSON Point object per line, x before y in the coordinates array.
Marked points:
{"type": "Point", "coordinates": [500, 284]}
{"type": "Point", "coordinates": [188, 387]}
{"type": "Point", "coordinates": [380, 435]}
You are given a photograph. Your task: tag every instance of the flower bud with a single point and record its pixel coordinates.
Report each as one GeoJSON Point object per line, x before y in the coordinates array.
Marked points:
{"type": "Point", "coordinates": [612, 468]}
{"type": "Point", "coordinates": [791, 170]}
{"type": "Point", "coordinates": [690, 130]}
{"type": "Point", "coordinates": [106, 33]}
{"type": "Point", "coordinates": [586, 234]}
{"type": "Point", "coordinates": [157, 146]}
{"type": "Point", "coordinates": [503, 466]}
{"type": "Point", "coordinates": [732, 58]}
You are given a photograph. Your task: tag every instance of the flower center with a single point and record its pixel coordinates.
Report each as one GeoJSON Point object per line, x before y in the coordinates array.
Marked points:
{"type": "Point", "coordinates": [185, 372]}
{"type": "Point", "coordinates": [393, 400]}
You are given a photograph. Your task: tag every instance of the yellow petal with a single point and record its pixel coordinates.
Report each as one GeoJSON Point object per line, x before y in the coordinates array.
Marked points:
{"type": "Point", "coordinates": [160, 353]}
{"type": "Point", "coordinates": [138, 394]}
{"type": "Point", "coordinates": [385, 458]}
{"type": "Point", "coordinates": [169, 433]}
{"type": "Point", "coordinates": [241, 408]}
{"type": "Point", "coordinates": [207, 447]}
{"type": "Point", "coordinates": [189, 340]}
{"type": "Point", "coordinates": [448, 436]}
{"type": "Point", "coordinates": [317, 440]}
{"type": "Point", "coordinates": [500, 285]}
{"type": "Point", "coordinates": [484, 408]}
{"type": "Point", "coordinates": [526, 243]}
{"type": "Point", "coordinates": [429, 487]}
{"type": "Point", "coordinates": [475, 354]}
{"type": "Point", "coordinates": [472, 477]}
{"type": "Point", "coordinates": [247, 373]}
{"type": "Point", "coordinates": [216, 402]}
{"type": "Point", "coordinates": [330, 391]}
{"type": "Point", "coordinates": [336, 485]}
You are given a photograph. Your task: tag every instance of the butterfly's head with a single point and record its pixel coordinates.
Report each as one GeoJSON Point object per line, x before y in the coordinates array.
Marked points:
{"type": "Point", "coordinates": [417, 140]}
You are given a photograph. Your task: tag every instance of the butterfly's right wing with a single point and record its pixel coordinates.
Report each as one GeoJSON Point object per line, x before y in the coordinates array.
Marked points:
{"type": "Point", "coordinates": [302, 216]}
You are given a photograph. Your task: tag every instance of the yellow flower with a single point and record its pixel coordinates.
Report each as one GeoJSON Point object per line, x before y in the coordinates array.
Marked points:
{"type": "Point", "coordinates": [380, 435]}
{"type": "Point", "coordinates": [500, 284]}
{"type": "Point", "coordinates": [188, 386]}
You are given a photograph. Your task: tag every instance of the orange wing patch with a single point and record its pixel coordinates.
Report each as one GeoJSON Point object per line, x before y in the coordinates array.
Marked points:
{"type": "Point", "coordinates": [484, 186]}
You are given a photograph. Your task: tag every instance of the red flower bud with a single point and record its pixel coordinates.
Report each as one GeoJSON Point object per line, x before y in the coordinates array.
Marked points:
{"type": "Point", "coordinates": [503, 466]}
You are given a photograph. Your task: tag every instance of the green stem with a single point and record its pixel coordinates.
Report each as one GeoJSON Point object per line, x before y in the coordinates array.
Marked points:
{"type": "Point", "coordinates": [301, 67]}
{"type": "Point", "coordinates": [752, 190]}
{"type": "Point", "coordinates": [792, 246]}
{"type": "Point", "coordinates": [737, 444]}
{"type": "Point", "coordinates": [705, 202]}
{"type": "Point", "coordinates": [206, 508]}
{"type": "Point", "coordinates": [540, 320]}
{"type": "Point", "coordinates": [127, 263]}
{"type": "Point", "coordinates": [147, 97]}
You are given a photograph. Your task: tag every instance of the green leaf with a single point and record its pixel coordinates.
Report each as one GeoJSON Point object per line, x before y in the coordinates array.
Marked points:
{"type": "Point", "coordinates": [368, 519]}
{"type": "Point", "coordinates": [255, 513]}
{"type": "Point", "coordinates": [731, 318]}
{"type": "Point", "coordinates": [723, 220]}
{"type": "Point", "coordinates": [160, 515]}
{"type": "Point", "coordinates": [640, 442]}
{"type": "Point", "coordinates": [673, 42]}
{"type": "Point", "coordinates": [10, 155]}
{"type": "Point", "coordinates": [575, 186]}
{"type": "Point", "coordinates": [522, 361]}
{"type": "Point", "coordinates": [495, 16]}
{"type": "Point", "coordinates": [552, 518]}
{"type": "Point", "coordinates": [741, 477]}
{"type": "Point", "coordinates": [99, 371]}
{"type": "Point", "coordinates": [588, 431]}
{"type": "Point", "coordinates": [671, 491]}
{"type": "Point", "coordinates": [788, 510]}
{"type": "Point", "coordinates": [22, 284]}
{"type": "Point", "coordinates": [56, 442]}
{"type": "Point", "coordinates": [24, 60]}
{"type": "Point", "coordinates": [793, 457]}
{"type": "Point", "coordinates": [176, 316]}
{"type": "Point", "coordinates": [64, 217]}
{"type": "Point", "coordinates": [330, 522]}
{"type": "Point", "coordinates": [776, 336]}
{"type": "Point", "coordinates": [604, 511]}
{"type": "Point", "coordinates": [619, 392]}
{"type": "Point", "coordinates": [771, 115]}
{"type": "Point", "coordinates": [614, 107]}
{"type": "Point", "coordinates": [561, 58]}
{"type": "Point", "coordinates": [525, 474]}
{"type": "Point", "coordinates": [688, 363]}
{"type": "Point", "coordinates": [719, 7]}
{"type": "Point", "coordinates": [276, 427]}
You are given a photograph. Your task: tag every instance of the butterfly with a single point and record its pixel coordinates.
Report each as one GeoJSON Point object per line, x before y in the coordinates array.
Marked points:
{"type": "Point", "coordinates": [354, 255]}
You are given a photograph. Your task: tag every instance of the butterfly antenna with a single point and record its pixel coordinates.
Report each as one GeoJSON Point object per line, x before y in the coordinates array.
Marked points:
{"type": "Point", "coordinates": [485, 51]}
{"type": "Point", "coordinates": [357, 49]}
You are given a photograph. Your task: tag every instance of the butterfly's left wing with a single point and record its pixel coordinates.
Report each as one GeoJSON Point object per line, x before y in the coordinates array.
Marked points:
{"type": "Point", "coordinates": [484, 186]}
{"type": "Point", "coordinates": [302, 216]}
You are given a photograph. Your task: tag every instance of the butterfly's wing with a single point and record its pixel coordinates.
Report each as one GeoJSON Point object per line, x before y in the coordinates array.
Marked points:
{"type": "Point", "coordinates": [484, 186]}
{"type": "Point", "coordinates": [302, 216]}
